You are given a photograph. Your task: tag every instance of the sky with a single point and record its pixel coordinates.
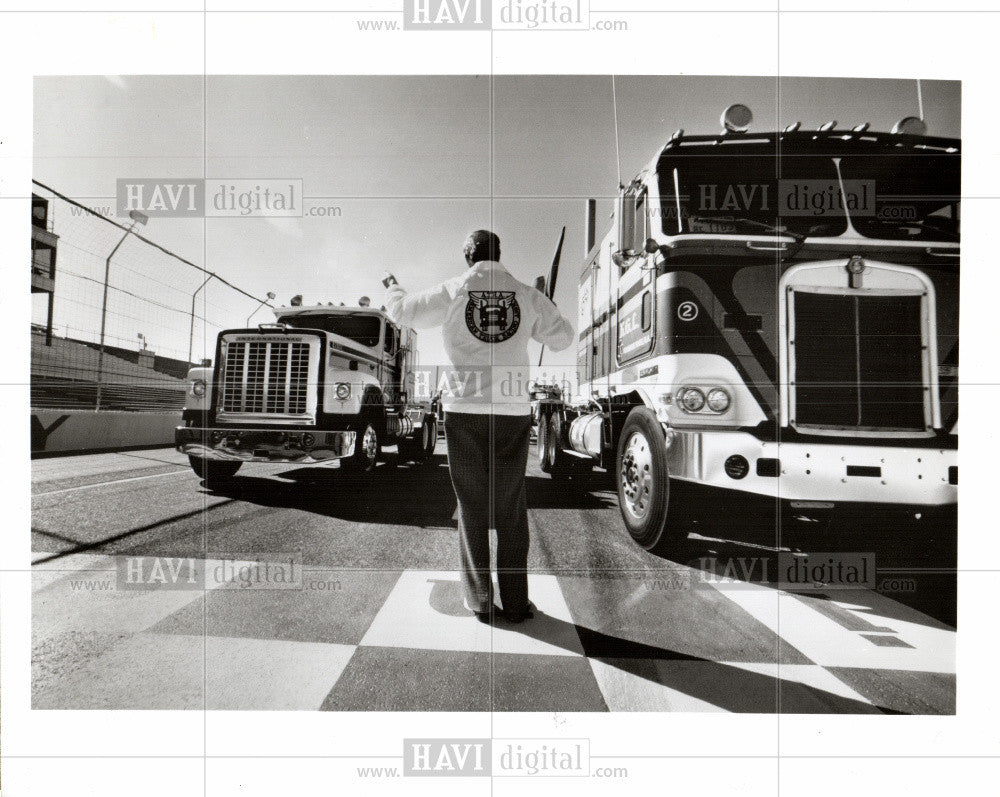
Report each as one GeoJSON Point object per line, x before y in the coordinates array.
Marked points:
{"type": "Point", "coordinates": [412, 162]}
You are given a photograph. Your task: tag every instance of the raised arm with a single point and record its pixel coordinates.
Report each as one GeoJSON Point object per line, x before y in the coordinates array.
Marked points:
{"type": "Point", "coordinates": [550, 327]}
{"type": "Point", "coordinates": [418, 310]}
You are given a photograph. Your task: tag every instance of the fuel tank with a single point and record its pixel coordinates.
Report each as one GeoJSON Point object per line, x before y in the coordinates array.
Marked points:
{"type": "Point", "coordinates": [585, 434]}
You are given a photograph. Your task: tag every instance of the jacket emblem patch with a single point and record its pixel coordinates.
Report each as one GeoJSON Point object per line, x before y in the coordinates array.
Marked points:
{"type": "Point", "coordinates": [492, 316]}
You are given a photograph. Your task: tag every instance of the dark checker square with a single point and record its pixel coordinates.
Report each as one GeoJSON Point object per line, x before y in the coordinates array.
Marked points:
{"type": "Point", "coordinates": [524, 682]}
{"type": "Point", "coordinates": [408, 679]}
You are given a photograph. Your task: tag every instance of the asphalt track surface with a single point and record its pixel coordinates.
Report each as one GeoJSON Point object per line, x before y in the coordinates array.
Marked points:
{"type": "Point", "coordinates": [154, 590]}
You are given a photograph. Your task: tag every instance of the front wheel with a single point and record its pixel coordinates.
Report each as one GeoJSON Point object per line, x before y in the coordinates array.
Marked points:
{"type": "Point", "coordinates": [367, 447]}
{"type": "Point", "coordinates": [214, 470]}
{"type": "Point", "coordinates": [642, 479]}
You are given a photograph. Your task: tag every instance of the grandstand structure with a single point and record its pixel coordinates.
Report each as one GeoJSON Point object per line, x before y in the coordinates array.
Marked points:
{"type": "Point", "coordinates": [115, 291]}
{"type": "Point", "coordinates": [64, 375]}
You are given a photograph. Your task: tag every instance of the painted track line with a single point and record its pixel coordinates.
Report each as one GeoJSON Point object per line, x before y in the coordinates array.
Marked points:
{"type": "Point", "coordinates": [105, 484]}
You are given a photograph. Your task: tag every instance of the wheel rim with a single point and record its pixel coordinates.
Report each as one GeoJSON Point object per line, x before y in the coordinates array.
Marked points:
{"type": "Point", "coordinates": [369, 444]}
{"type": "Point", "coordinates": [636, 476]}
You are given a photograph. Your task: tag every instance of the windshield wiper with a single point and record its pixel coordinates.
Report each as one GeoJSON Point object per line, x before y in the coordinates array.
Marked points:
{"type": "Point", "coordinates": [924, 228]}
{"type": "Point", "coordinates": [774, 228]}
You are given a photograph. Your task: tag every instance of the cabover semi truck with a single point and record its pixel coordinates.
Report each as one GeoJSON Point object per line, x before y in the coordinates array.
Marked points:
{"type": "Point", "coordinates": [323, 383]}
{"type": "Point", "coordinates": [770, 330]}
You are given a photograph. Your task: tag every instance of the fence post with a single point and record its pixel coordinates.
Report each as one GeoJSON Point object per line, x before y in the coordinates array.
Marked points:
{"type": "Point", "coordinates": [194, 296]}
{"type": "Point", "coordinates": [104, 314]}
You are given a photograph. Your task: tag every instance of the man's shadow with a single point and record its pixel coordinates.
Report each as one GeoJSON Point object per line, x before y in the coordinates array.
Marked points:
{"type": "Point", "coordinates": [728, 687]}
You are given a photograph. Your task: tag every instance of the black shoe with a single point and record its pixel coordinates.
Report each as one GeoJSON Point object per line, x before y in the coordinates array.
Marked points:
{"type": "Point", "coordinates": [485, 617]}
{"type": "Point", "coordinates": [521, 616]}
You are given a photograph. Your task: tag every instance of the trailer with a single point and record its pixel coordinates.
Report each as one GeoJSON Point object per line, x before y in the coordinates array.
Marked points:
{"type": "Point", "coordinates": [770, 329]}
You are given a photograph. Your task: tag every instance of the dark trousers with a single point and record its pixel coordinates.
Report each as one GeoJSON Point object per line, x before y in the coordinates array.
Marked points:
{"type": "Point", "coordinates": [487, 457]}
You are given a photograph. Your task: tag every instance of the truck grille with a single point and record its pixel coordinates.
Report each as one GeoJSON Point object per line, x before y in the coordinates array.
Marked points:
{"type": "Point", "coordinates": [269, 376]}
{"type": "Point", "coordinates": [858, 362]}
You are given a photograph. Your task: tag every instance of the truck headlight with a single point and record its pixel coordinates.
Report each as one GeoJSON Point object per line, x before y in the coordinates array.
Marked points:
{"type": "Point", "coordinates": [691, 399]}
{"type": "Point", "coordinates": [198, 387]}
{"type": "Point", "coordinates": [343, 390]}
{"type": "Point", "coordinates": [718, 400]}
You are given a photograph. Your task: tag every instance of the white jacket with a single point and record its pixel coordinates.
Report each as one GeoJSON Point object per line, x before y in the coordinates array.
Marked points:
{"type": "Point", "coordinates": [487, 318]}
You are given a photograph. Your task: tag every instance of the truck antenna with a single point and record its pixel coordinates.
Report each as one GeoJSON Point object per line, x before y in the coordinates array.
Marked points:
{"type": "Point", "coordinates": [920, 101]}
{"type": "Point", "coordinates": [618, 152]}
{"type": "Point", "coordinates": [849, 232]}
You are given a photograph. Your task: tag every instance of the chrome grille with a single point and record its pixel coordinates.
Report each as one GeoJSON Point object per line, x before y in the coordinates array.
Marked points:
{"type": "Point", "coordinates": [858, 362]}
{"type": "Point", "coordinates": [266, 376]}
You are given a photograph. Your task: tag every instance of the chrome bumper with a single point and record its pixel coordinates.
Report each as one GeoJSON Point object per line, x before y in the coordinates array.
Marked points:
{"type": "Point", "coordinates": [257, 445]}
{"type": "Point", "coordinates": [815, 472]}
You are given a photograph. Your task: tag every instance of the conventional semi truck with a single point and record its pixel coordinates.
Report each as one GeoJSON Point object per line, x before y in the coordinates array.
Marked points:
{"type": "Point", "coordinates": [323, 383]}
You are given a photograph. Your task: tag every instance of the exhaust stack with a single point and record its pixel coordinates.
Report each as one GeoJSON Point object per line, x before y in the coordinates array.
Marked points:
{"type": "Point", "coordinates": [591, 225]}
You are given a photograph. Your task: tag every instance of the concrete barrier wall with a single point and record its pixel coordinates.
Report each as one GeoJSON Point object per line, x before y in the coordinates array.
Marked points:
{"type": "Point", "coordinates": [83, 430]}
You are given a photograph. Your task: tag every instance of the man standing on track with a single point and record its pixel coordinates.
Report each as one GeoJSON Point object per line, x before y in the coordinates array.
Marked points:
{"type": "Point", "coordinates": [487, 318]}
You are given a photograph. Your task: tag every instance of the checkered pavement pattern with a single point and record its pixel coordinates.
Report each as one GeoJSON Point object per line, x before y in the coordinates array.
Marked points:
{"type": "Point", "coordinates": [371, 640]}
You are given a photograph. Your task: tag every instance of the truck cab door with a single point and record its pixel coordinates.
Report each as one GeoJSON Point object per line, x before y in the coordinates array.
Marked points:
{"type": "Point", "coordinates": [635, 290]}
{"type": "Point", "coordinates": [407, 360]}
{"type": "Point", "coordinates": [390, 372]}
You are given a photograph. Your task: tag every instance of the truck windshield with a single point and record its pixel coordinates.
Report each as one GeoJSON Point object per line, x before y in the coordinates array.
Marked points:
{"type": "Point", "coordinates": [890, 193]}
{"type": "Point", "coordinates": [361, 328]}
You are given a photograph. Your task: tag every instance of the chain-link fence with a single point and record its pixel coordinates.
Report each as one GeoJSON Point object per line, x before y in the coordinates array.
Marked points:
{"type": "Point", "coordinates": [117, 319]}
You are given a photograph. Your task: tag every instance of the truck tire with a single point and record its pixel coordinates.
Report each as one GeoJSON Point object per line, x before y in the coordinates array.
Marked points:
{"type": "Point", "coordinates": [543, 445]}
{"type": "Point", "coordinates": [367, 448]}
{"type": "Point", "coordinates": [429, 438]}
{"type": "Point", "coordinates": [214, 470]}
{"type": "Point", "coordinates": [551, 458]}
{"type": "Point", "coordinates": [420, 448]}
{"type": "Point", "coordinates": [643, 481]}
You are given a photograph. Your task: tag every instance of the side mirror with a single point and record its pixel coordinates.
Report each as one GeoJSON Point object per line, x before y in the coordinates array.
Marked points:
{"type": "Point", "coordinates": [621, 259]}
{"type": "Point", "coordinates": [651, 247]}
{"type": "Point", "coordinates": [622, 230]}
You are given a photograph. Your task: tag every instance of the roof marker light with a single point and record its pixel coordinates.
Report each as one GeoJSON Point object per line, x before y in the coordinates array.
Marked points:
{"type": "Point", "coordinates": [827, 126]}
{"type": "Point", "coordinates": [792, 127]}
{"type": "Point", "coordinates": [910, 126]}
{"type": "Point", "coordinates": [861, 127]}
{"type": "Point", "coordinates": [677, 134]}
{"type": "Point", "coordinates": [736, 118]}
